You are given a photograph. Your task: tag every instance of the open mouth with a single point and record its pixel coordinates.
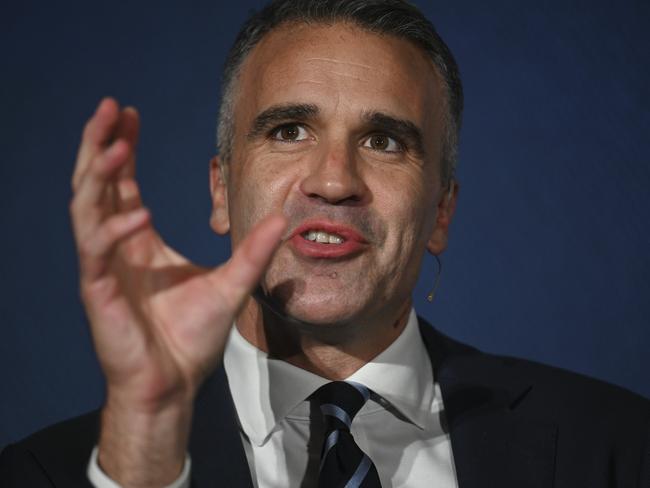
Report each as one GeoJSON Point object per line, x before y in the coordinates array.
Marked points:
{"type": "Point", "coordinates": [323, 237]}
{"type": "Point", "coordinates": [326, 239]}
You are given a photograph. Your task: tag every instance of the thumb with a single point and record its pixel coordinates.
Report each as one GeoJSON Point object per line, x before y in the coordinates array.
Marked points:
{"type": "Point", "coordinates": [237, 277]}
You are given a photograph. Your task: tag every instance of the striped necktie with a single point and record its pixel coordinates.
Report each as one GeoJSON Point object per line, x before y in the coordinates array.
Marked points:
{"type": "Point", "coordinates": [343, 464]}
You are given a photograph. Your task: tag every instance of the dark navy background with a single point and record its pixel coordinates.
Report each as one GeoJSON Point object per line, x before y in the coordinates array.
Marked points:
{"type": "Point", "coordinates": [549, 256]}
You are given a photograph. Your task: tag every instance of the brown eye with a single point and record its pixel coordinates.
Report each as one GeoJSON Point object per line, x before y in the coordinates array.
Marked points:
{"type": "Point", "coordinates": [382, 142]}
{"type": "Point", "coordinates": [289, 132]}
{"type": "Point", "coordinates": [379, 142]}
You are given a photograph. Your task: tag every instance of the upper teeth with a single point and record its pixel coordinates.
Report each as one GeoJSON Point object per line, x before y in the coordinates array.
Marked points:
{"type": "Point", "coordinates": [324, 237]}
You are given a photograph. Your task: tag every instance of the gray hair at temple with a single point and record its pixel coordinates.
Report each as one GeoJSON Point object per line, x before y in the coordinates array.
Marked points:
{"type": "Point", "coordinates": [392, 17]}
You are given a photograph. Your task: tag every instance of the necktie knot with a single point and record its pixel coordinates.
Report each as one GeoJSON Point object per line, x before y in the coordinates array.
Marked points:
{"type": "Point", "coordinates": [343, 463]}
{"type": "Point", "coordinates": [340, 401]}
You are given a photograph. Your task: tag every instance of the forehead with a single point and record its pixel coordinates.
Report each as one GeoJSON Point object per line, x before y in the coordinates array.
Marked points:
{"type": "Point", "coordinates": [343, 69]}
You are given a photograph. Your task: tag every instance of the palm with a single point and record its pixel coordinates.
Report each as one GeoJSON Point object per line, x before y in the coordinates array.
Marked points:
{"type": "Point", "coordinates": [152, 323]}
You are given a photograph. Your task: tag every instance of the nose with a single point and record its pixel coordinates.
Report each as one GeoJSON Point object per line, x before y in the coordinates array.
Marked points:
{"type": "Point", "coordinates": [334, 178]}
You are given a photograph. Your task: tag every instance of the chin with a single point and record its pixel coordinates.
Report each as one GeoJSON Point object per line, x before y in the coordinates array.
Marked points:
{"type": "Point", "coordinates": [319, 318]}
{"type": "Point", "coordinates": [322, 310]}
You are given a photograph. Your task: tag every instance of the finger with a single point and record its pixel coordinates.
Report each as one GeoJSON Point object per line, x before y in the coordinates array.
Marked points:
{"type": "Point", "coordinates": [237, 278]}
{"type": "Point", "coordinates": [97, 133]}
{"type": "Point", "coordinates": [127, 191]}
{"type": "Point", "coordinates": [93, 201]}
{"type": "Point", "coordinates": [100, 173]}
{"type": "Point", "coordinates": [96, 247]}
{"type": "Point", "coordinates": [128, 129]}
{"type": "Point", "coordinates": [128, 194]}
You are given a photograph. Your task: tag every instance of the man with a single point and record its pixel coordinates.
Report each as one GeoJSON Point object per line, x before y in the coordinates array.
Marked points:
{"type": "Point", "coordinates": [337, 134]}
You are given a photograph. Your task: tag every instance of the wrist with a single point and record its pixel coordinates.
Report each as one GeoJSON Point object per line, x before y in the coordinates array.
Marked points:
{"type": "Point", "coordinates": [144, 446]}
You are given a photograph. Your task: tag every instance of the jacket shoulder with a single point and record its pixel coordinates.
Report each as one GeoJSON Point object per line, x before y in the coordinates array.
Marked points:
{"type": "Point", "coordinates": [561, 389]}
{"type": "Point", "coordinates": [55, 456]}
{"type": "Point", "coordinates": [557, 389]}
{"type": "Point", "coordinates": [599, 432]}
{"type": "Point", "coordinates": [602, 430]}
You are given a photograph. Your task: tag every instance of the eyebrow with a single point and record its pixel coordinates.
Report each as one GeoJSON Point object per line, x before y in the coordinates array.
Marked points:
{"type": "Point", "coordinates": [281, 113]}
{"type": "Point", "coordinates": [402, 128]}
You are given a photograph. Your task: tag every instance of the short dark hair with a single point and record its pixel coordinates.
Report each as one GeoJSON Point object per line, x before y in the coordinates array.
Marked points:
{"type": "Point", "coordinates": [393, 17]}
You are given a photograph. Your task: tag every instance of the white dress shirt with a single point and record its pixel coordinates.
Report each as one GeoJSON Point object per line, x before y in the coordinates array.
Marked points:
{"type": "Point", "coordinates": [399, 428]}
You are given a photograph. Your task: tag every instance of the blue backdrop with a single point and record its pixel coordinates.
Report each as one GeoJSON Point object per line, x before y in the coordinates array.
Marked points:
{"type": "Point", "coordinates": [549, 256]}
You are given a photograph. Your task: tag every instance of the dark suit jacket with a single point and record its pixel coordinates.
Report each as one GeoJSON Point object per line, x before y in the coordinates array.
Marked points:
{"type": "Point", "coordinates": [512, 423]}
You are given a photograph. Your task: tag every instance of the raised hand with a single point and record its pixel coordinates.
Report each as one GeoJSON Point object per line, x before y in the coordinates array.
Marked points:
{"type": "Point", "coordinates": [159, 322]}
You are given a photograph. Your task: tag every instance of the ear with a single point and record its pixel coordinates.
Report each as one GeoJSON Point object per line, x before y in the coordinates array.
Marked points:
{"type": "Point", "coordinates": [219, 218]}
{"type": "Point", "coordinates": [446, 206]}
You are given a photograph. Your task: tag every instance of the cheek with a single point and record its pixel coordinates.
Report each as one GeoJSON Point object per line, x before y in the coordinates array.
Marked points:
{"type": "Point", "coordinates": [258, 188]}
{"type": "Point", "coordinates": [407, 205]}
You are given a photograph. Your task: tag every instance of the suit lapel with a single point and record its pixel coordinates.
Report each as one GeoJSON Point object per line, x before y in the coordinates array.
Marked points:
{"type": "Point", "coordinates": [493, 444]}
{"type": "Point", "coordinates": [218, 457]}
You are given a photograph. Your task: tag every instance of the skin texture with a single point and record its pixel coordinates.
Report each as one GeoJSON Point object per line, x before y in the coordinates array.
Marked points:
{"type": "Point", "coordinates": [160, 322]}
{"type": "Point", "coordinates": [349, 309]}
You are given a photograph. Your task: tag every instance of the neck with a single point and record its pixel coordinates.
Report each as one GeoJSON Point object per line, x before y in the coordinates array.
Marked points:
{"type": "Point", "coordinates": [333, 351]}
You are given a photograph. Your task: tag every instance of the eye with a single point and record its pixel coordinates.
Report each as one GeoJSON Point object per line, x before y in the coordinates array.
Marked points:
{"type": "Point", "coordinates": [382, 142]}
{"type": "Point", "coordinates": [290, 133]}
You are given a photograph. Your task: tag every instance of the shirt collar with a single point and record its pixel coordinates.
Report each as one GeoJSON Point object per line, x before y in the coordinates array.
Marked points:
{"type": "Point", "coordinates": [266, 390]}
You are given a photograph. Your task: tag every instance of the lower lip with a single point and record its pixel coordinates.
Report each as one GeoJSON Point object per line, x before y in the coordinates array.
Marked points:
{"type": "Point", "coordinates": [315, 249]}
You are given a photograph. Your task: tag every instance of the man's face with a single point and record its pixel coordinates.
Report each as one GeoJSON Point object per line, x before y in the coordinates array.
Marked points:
{"type": "Point", "coordinates": [341, 131]}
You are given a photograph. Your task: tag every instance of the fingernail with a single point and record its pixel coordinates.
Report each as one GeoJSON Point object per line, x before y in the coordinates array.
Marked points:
{"type": "Point", "coordinates": [103, 103]}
